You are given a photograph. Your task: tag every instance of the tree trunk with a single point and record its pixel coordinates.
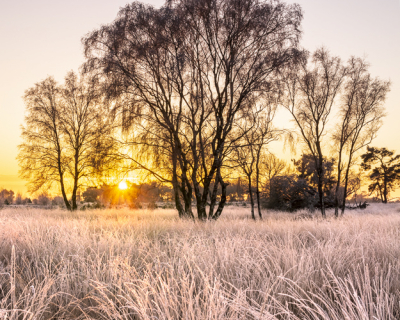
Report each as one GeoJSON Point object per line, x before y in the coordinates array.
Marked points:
{"type": "Point", "coordinates": [385, 188]}
{"type": "Point", "coordinates": [213, 199]}
{"type": "Point", "coordinates": [320, 172]}
{"type": "Point", "coordinates": [380, 192]}
{"type": "Point", "coordinates": [76, 178]}
{"type": "Point", "coordinates": [175, 186]}
{"type": "Point", "coordinates": [339, 176]}
{"type": "Point", "coordinates": [336, 203]}
{"type": "Point", "coordinates": [74, 204]}
{"type": "Point", "coordinates": [202, 198]}
{"type": "Point", "coordinates": [178, 204]}
{"type": "Point", "coordinates": [258, 184]}
{"type": "Point", "coordinates": [321, 197]}
{"type": "Point", "coordinates": [251, 199]}
{"type": "Point", "coordinates": [223, 197]}
{"type": "Point", "coordinates": [64, 195]}
{"type": "Point", "coordinates": [187, 196]}
{"type": "Point", "coordinates": [60, 172]}
{"type": "Point", "coordinates": [346, 180]}
{"type": "Point", "coordinates": [258, 200]}
{"type": "Point", "coordinates": [201, 209]}
{"type": "Point", "coordinates": [199, 201]}
{"type": "Point", "coordinates": [74, 191]}
{"type": "Point", "coordinates": [67, 204]}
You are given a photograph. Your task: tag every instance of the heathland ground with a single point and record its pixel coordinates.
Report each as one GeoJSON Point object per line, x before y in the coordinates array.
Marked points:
{"type": "Point", "coordinates": [127, 264]}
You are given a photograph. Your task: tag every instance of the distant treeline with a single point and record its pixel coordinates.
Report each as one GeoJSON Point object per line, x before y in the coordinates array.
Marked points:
{"type": "Point", "coordinates": [284, 186]}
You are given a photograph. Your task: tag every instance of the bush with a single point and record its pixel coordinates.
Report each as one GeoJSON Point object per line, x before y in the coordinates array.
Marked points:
{"type": "Point", "coordinates": [290, 193]}
{"type": "Point", "coordinates": [58, 201]}
{"type": "Point", "coordinates": [91, 194]}
{"type": "Point", "coordinates": [135, 205]}
{"type": "Point", "coordinates": [168, 205]}
{"type": "Point", "coordinates": [98, 205]}
{"type": "Point", "coordinates": [152, 205]}
{"type": "Point", "coordinates": [88, 206]}
{"type": "Point", "coordinates": [43, 199]}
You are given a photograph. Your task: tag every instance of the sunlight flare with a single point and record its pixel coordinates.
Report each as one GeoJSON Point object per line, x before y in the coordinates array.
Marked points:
{"type": "Point", "coordinates": [122, 185]}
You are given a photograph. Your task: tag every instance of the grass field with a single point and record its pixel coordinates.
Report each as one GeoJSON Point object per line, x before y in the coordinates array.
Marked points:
{"type": "Point", "coordinates": [121, 264]}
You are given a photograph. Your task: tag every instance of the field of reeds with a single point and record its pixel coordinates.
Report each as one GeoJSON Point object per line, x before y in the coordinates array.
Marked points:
{"type": "Point", "coordinates": [126, 264]}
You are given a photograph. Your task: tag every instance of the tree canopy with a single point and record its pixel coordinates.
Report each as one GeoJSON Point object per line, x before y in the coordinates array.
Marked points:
{"type": "Point", "coordinates": [185, 74]}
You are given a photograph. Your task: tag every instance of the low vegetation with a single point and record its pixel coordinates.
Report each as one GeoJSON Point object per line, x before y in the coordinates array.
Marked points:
{"type": "Point", "coordinates": [149, 264]}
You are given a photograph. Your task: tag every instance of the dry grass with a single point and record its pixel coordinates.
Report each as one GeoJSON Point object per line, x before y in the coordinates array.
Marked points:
{"type": "Point", "coordinates": [150, 265]}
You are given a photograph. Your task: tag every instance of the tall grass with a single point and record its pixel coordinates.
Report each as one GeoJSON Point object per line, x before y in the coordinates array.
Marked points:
{"type": "Point", "coordinates": [123, 264]}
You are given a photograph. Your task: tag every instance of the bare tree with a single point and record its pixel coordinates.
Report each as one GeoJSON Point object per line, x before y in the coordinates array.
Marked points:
{"type": "Point", "coordinates": [354, 184]}
{"type": "Point", "coordinates": [41, 155]}
{"type": "Point", "coordinates": [266, 134]}
{"type": "Point", "coordinates": [255, 134]}
{"type": "Point", "coordinates": [243, 155]}
{"type": "Point", "coordinates": [361, 114]}
{"type": "Point", "coordinates": [6, 197]}
{"type": "Point", "coordinates": [311, 92]}
{"type": "Point", "coordinates": [271, 166]}
{"type": "Point", "coordinates": [190, 70]}
{"type": "Point", "coordinates": [67, 135]}
{"type": "Point", "coordinates": [87, 128]}
{"type": "Point", "coordinates": [18, 198]}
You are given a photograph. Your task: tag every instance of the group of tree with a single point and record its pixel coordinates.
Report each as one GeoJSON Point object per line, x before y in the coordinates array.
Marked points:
{"type": "Point", "coordinates": [135, 194]}
{"type": "Point", "coordinates": [8, 197]}
{"type": "Point", "coordinates": [296, 185]}
{"type": "Point", "coordinates": [187, 93]}
{"type": "Point", "coordinates": [379, 169]}
{"type": "Point", "coordinates": [315, 89]}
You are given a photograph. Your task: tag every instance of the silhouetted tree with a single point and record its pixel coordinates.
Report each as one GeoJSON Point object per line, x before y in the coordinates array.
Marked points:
{"type": "Point", "coordinates": [41, 157]}
{"type": "Point", "coordinates": [271, 166]}
{"type": "Point", "coordinates": [255, 133]}
{"type": "Point", "coordinates": [307, 170]}
{"type": "Point", "coordinates": [87, 128]}
{"type": "Point", "coordinates": [43, 199]}
{"type": "Point", "coordinates": [18, 199]}
{"type": "Point", "coordinates": [266, 134]}
{"type": "Point", "coordinates": [361, 113]}
{"type": "Point", "coordinates": [311, 90]}
{"type": "Point", "coordinates": [67, 135]}
{"type": "Point", "coordinates": [6, 197]}
{"type": "Point", "coordinates": [384, 169]}
{"type": "Point", "coordinates": [354, 183]}
{"type": "Point", "coordinates": [289, 193]}
{"type": "Point", "coordinates": [243, 156]}
{"type": "Point", "coordinates": [187, 72]}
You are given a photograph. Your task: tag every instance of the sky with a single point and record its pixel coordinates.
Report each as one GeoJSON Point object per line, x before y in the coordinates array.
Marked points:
{"type": "Point", "coordinates": [43, 37]}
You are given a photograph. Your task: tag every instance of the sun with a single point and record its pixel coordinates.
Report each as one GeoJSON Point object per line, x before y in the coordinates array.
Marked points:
{"type": "Point", "coordinates": [122, 185]}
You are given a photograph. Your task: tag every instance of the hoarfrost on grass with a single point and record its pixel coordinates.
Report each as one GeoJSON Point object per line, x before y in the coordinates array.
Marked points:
{"type": "Point", "coordinates": [139, 264]}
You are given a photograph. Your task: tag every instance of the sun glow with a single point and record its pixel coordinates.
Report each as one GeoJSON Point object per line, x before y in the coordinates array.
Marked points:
{"type": "Point", "coordinates": [122, 185]}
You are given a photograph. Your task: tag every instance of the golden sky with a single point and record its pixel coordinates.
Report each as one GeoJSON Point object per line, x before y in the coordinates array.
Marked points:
{"type": "Point", "coordinates": [42, 37]}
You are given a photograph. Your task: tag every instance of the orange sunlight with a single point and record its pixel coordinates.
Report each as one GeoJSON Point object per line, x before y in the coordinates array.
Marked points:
{"type": "Point", "coordinates": [122, 185]}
